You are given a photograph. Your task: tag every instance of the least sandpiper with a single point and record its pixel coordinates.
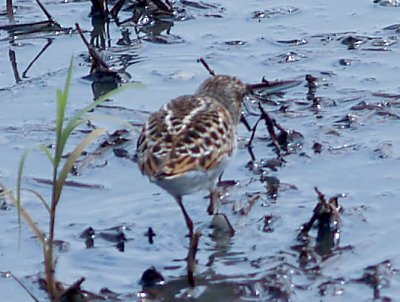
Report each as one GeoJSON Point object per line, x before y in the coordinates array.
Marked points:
{"type": "Point", "coordinates": [185, 146]}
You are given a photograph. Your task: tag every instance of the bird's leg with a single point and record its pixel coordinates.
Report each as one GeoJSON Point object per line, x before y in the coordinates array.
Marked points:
{"type": "Point", "coordinates": [214, 203]}
{"type": "Point", "coordinates": [214, 198]}
{"type": "Point", "coordinates": [189, 222]}
{"type": "Point", "coordinates": [191, 257]}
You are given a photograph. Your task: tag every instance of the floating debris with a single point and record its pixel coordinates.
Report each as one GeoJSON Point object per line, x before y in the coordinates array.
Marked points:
{"type": "Point", "coordinates": [235, 43]}
{"type": "Point", "coordinates": [268, 223]}
{"type": "Point", "coordinates": [327, 213]}
{"type": "Point", "coordinates": [295, 42]}
{"type": "Point", "coordinates": [277, 11]}
{"type": "Point", "coordinates": [272, 185]}
{"type": "Point", "coordinates": [150, 235]}
{"type": "Point", "coordinates": [74, 292]}
{"type": "Point", "coordinates": [36, 27]}
{"type": "Point", "coordinates": [389, 3]}
{"type": "Point", "coordinates": [289, 57]}
{"type": "Point", "coordinates": [349, 121]}
{"type": "Point", "coordinates": [114, 235]}
{"type": "Point", "coordinates": [378, 277]}
{"type": "Point", "coordinates": [151, 277]}
{"type": "Point", "coordinates": [317, 147]}
{"type": "Point", "coordinates": [385, 150]}
{"type": "Point", "coordinates": [114, 141]}
{"type": "Point", "coordinates": [345, 62]}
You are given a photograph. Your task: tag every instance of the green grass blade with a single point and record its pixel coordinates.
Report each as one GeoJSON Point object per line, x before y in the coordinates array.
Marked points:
{"type": "Point", "coordinates": [40, 197]}
{"type": "Point", "coordinates": [72, 159]}
{"type": "Point", "coordinates": [78, 118]}
{"type": "Point", "coordinates": [62, 98]}
{"type": "Point", "coordinates": [24, 214]}
{"type": "Point", "coordinates": [20, 172]}
{"type": "Point", "coordinates": [67, 84]}
{"type": "Point", "coordinates": [66, 133]}
{"type": "Point", "coordinates": [61, 107]}
{"type": "Point", "coordinates": [47, 152]}
{"type": "Point", "coordinates": [33, 226]}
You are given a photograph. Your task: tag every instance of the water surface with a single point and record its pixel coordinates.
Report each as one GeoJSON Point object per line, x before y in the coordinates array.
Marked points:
{"type": "Point", "coordinates": [249, 39]}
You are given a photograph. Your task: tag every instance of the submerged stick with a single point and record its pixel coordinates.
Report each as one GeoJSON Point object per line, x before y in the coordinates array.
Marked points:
{"type": "Point", "coordinates": [244, 121]}
{"type": "Point", "coordinates": [204, 63]}
{"type": "Point", "coordinates": [10, 11]}
{"type": "Point", "coordinates": [321, 202]}
{"type": "Point", "coordinates": [46, 12]}
{"type": "Point", "coordinates": [93, 53]}
{"type": "Point", "coordinates": [11, 55]}
{"type": "Point", "coordinates": [21, 284]}
{"type": "Point", "coordinates": [253, 132]}
{"type": "Point", "coordinates": [321, 197]}
{"type": "Point", "coordinates": [73, 292]}
{"type": "Point", "coordinates": [165, 7]}
{"type": "Point", "coordinates": [116, 8]}
{"type": "Point", "coordinates": [26, 28]}
{"type": "Point", "coordinates": [270, 123]}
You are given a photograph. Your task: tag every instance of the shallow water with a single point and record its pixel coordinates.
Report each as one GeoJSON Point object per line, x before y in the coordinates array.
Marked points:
{"type": "Point", "coordinates": [359, 159]}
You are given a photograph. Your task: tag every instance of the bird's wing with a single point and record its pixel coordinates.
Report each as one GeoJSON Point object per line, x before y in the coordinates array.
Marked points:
{"type": "Point", "coordinates": [189, 133]}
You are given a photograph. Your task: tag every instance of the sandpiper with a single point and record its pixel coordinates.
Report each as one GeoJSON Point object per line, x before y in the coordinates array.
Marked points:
{"type": "Point", "coordinates": [185, 146]}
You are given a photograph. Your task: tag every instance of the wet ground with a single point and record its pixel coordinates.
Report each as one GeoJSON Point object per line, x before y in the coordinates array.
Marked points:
{"type": "Point", "coordinates": [348, 148]}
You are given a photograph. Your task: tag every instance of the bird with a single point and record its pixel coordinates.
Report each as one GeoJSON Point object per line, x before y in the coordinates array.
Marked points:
{"type": "Point", "coordinates": [185, 146]}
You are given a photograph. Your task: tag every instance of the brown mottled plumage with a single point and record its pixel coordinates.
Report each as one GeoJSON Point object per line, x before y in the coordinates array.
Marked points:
{"type": "Point", "coordinates": [185, 145]}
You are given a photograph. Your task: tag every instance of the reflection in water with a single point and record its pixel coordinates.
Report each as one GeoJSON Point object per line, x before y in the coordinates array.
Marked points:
{"type": "Point", "coordinates": [160, 32]}
{"type": "Point", "coordinates": [104, 83]}
{"type": "Point", "coordinates": [49, 41]}
{"type": "Point", "coordinates": [125, 39]}
{"type": "Point", "coordinates": [327, 239]}
{"type": "Point", "coordinates": [99, 35]}
{"type": "Point", "coordinates": [151, 23]}
{"type": "Point", "coordinates": [14, 64]}
{"type": "Point", "coordinates": [154, 30]}
{"type": "Point", "coordinates": [100, 22]}
{"type": "Point", "coordinates": [104, 78]}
